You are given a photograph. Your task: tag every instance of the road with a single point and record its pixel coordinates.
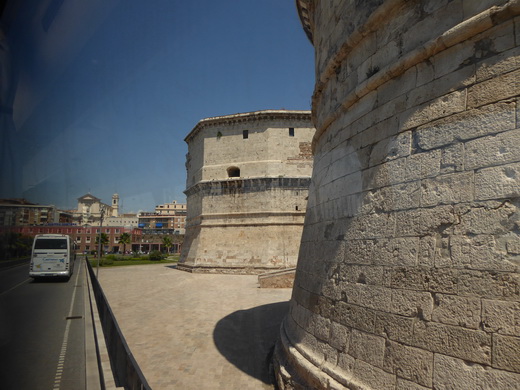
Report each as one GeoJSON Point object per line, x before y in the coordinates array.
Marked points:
{"type": "Point", "coordinates": [42, 331]}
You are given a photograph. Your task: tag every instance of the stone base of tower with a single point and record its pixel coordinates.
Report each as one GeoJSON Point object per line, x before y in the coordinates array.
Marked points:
{"type": "Point", "coordinates": [296, 368]}
{"type": "Point", "coordinates": [242, 243]}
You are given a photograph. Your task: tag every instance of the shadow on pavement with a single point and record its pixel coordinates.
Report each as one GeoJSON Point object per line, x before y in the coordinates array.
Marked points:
{"type": "Point", "coordinates": [246, 338]}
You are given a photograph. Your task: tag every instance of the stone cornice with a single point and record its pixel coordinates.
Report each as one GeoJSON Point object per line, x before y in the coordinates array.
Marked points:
{"type": "Point", "coordinates": [249, 184]}
{"type": "Point", "coordinates": [303, 11]}
{"type": "Point", "coordinates": [258, 218]}
{"type": "Point", "coordinates": [249, 117]}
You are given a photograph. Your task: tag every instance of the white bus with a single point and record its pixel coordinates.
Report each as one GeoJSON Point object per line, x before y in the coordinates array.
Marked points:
{"type": "Point", "coordinates": [52, 255]}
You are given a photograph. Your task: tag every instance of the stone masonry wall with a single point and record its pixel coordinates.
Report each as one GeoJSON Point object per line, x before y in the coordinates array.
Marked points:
{"type": "Point", "coordinates": [217, 143]}
{"type": "Point", "coordinates": [408, 272]}
{"type": "Point", "coordinates": [250, 223]}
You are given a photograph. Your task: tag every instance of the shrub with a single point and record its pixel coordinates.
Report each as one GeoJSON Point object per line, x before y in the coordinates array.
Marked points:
{"type": "Point", "coordinates": [155, 255]}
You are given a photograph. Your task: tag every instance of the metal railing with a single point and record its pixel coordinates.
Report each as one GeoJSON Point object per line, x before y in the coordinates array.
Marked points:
{"type": "Point", "coordinates": [126, 371]}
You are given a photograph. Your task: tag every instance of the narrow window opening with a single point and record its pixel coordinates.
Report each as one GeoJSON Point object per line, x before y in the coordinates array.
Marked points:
{"type": "Point", "coordinates": [291, 131]}
{"type": "Point", "coordinates": [245, 134]}
{"type": "Point", "coordinates": [233, 172]}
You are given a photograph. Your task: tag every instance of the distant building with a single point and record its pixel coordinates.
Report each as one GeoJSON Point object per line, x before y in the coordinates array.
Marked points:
{"type": "Point", "coordinates": [127, 220]}
{"type": "Point", "coordinates": [247, 184]}
{"type": "Point", "coordinates": [168, 218]}
{"type": "Point", "coordinates": [20, 212]}
{"type": "Point", "coordinates": [85, 237]}
{"type": "Point", "coordinates": [91, 209]}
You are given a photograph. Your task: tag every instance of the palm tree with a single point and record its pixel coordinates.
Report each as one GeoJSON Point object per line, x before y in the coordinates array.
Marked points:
{"type": "Point", "coordinates": [167, 242]}
{"type": "Point", "coordinates": [104, 241]}
{"type": "Point", "coordinates": [124, 239]}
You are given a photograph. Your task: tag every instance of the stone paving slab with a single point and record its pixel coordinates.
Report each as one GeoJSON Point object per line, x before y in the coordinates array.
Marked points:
{"type": "Point", "coordinates": [196, 331]}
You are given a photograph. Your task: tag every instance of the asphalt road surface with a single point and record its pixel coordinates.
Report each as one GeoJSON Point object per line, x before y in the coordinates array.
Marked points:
{"type": "Point", "coordinates": [42, 331]}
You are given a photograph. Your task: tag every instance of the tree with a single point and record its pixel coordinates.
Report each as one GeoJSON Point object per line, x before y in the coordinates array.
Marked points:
{"type": "Point", "coordinates": [14, 245]}
{"type": "Point", "coordinates": [104, 241]}
{"type": "Point", "coordinates": [167, 242]}
{"type": "Point", "coordinates": [124, 239]}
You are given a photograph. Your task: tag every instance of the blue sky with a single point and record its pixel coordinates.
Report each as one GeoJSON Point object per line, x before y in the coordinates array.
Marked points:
{"type": "Point", "coordinates": [104, 97]}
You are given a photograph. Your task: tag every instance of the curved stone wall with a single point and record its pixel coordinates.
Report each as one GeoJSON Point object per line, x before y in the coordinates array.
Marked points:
{"type": "Point", "coordinates": [408, 271]}
{"type": "Point", "coordinates": [247, 186]}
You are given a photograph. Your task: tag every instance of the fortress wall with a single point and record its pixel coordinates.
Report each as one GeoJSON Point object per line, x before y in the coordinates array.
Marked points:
{"type": "Point", "coordinates": [408, 273]}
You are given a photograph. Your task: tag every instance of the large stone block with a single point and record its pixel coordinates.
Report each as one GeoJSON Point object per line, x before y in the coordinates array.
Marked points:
{"type": "Point", "coordinates": [498, 88]}
{"type": "Point", "coordinates": [466, 344]}
{"type": "Point", "coordinates": [498, 182]}
{"type": "Point", "coordinates": [452, 373]}
{"type": "Point", "coordinates": [494, 150]}
{"type": "Point", "coordinates": [501, 317]}
{"type": "Point", "coordinates": [410, 363]}
{"type": "Point", "coordinates": [458, 311]}
{"type": "Point", "coordinates": [412, 303]}
{"type": "Point", "coordinates": [505, 352]}
{"type": "Point", "coordinates": [367, 347]}
{"type": "Point", "coordinates": [447, 189]}
{"type": "Point", "coordinates": [394, 327]}
{"type": "Point", "coordinates": [486, 120]}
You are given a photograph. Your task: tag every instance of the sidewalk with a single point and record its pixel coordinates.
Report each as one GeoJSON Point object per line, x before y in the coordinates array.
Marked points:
{"type": "Point", "coordinates": [196, 331]}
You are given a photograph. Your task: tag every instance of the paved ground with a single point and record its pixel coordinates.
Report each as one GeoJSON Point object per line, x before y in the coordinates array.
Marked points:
{"type": "Point", "coordinates": [196, 331]}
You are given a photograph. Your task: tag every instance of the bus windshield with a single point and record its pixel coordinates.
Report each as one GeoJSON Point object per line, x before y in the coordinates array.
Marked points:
{"type": "Point", "coordinates": [51, 243]}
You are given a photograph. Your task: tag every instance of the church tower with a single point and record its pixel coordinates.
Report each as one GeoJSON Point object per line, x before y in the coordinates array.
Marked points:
{"type": "Point", "coordinates": [115, 205]}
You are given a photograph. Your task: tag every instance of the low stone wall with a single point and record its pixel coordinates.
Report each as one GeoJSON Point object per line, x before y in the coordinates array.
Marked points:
{"type": "Point", "coordinates": [277, 279]}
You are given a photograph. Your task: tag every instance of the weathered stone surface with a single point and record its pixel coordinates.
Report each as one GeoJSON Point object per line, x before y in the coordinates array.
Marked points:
{"type": "Point", "coordinates": [367, 347]}
{"type": "Point", "coordinates": [505, 352]}
{"type": "Point", "coordinates": [410, 363]}
{"type": "Point", "coordinates": [458, 311]}
{"type": "Point", "coordinates": [498, 182]}
{"type": "Point", "coordinates": [501, 87]}
{"type": "Point", "coordinates": [373, 377]}
{"type": "Point", "coordinates": [277, 279]}
{"type": "Point", "coordinates": [470, 345]}
{"type": "Point", "coordinates": [412, 235]}
{"type": "Point", "coordinates": [502, 317]}
{"type": "Point", "coordinates": [491, 119]}
{"type": "Point", "coordinates": [447, 189]}
{"type": "Point", "coordinates": [353, 316]}
{"type": "Point", "coordinates": [412, 304]}
{"type": "Point", "coordinates": [495, 150]}
{"type": "Point", "coordinates": [403, 384]}
{"type": "Point", "coordinates": [339, 336]}
{"type": "Point", "coordinates": [453, 373]}
{"type": "Point", "coordinates": [394, 327]}
{"type": "Point", "coordinates": [247, 186]}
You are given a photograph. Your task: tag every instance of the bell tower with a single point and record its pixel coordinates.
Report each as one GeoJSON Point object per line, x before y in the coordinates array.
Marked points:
{"type": "Point", "coordinates": [115, 205]}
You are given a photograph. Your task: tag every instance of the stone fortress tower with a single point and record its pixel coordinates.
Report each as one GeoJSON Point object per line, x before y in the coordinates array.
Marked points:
{"type": "Point", "coordinates": [408, 273]}
{"type": "Point", "coordinates": [247, 184]}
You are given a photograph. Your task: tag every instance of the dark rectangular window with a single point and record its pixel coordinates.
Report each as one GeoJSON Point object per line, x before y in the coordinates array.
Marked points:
{"type": "Point", "coordinates": [291, 131]}
{"type": "Point", "coordinates": [245, 134]}
{"type": "Point", "coordinates": [50, 243]}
